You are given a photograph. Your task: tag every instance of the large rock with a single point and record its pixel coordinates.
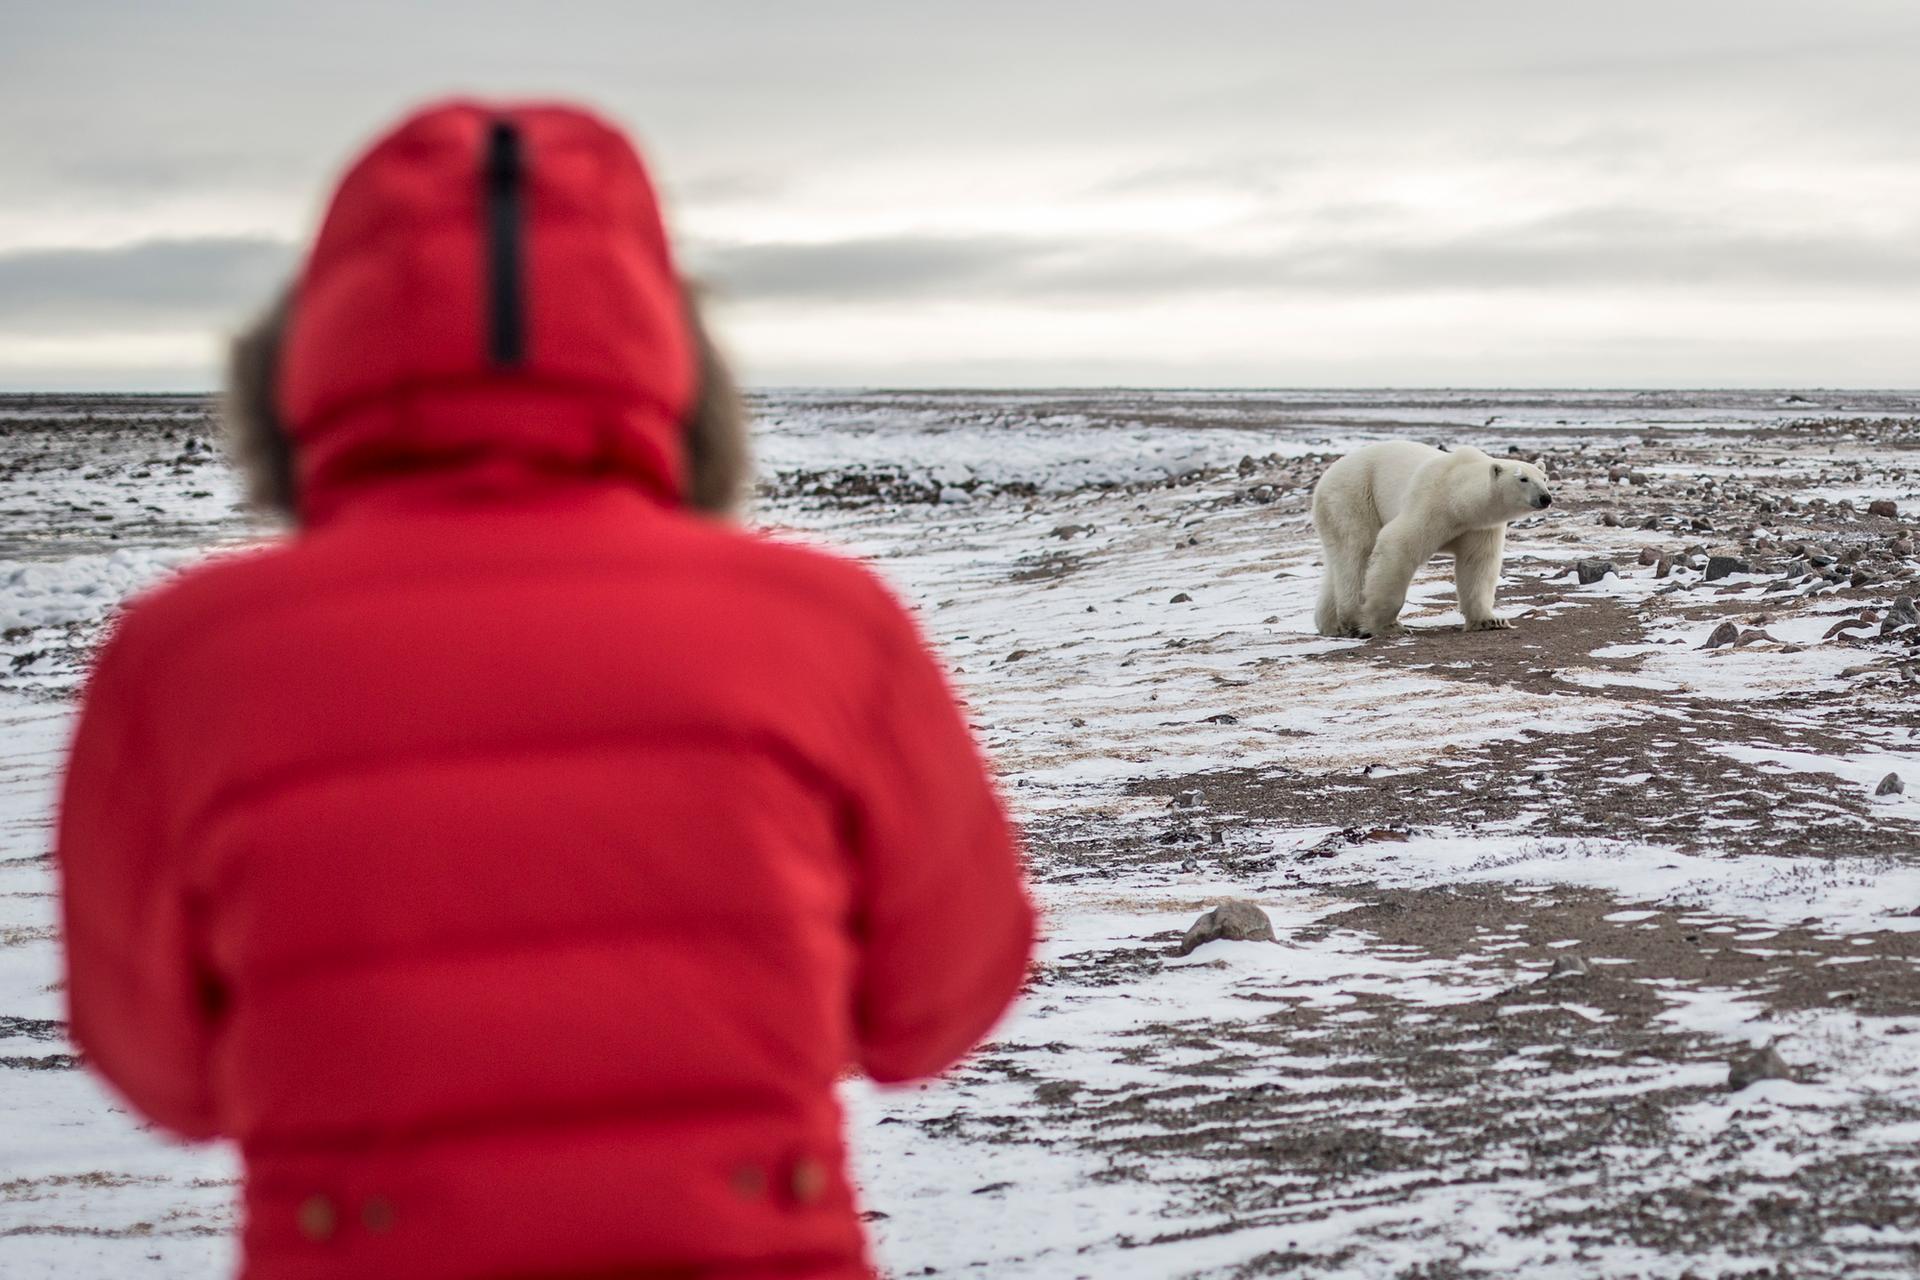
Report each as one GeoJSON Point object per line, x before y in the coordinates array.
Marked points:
{"type": "Point", "coordinates": [1761, 1064]}
{"type": "Point", "coordinates": [1901, 613]}
{"type": "Point", "coordinates": [1726, 633]}
{"type": "Point", "coordinates": [1722, 566]}
{"type": "Point", "coordinates": [1890, 786]}
{"type": "Point", "coordinates": [1235, 920]}
{"type": "Point", "coordinates": [1569, 967]}
{"type": "Point", "coordinates": [1591, 571]}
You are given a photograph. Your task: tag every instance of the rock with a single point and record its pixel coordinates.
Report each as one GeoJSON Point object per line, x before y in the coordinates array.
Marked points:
{"type": "Point", "coordinates": [1017, 654]}
{"type": "Point", "coordinates": [1610, 520]}
{"type": "Point", "coordinates": [1890, 786]}
{"type": "Point", "coordinates": [953, 493]}
{"type": "Point", "coordinates": [1725, 633]}
{"type": "Point", "coordinates": [1616, 474]}
{"type": "Point", "coordinates": [1182, 598]}
{"type": "Point", "coordinates": [1569, 967]}
{"type": "Point", "coordinates": [1846, 624]}
{"type": "Point", "coordinates": [1797, 569]}
{"type": "Point", "coordinates": [1860, 578]}
{"type": "Point", "coordinates": [1065, 531]}
{"type": "Point", "coordinates": [1901, 546]}
{"type": "Point", "coordinates": [1664, 568]}
{"type": "Point", "coordinates": [1651, 522]}
{"type": "Point", "coordinates": [1591, 571]}
{"type": "Point", "coordinates": [1636, 477]}
{"type": "Point", "coordinates": [1186, 800]}
{"type": "Point", "coordinates": [1901, 614]}
{"type": "Point", "coordinates": [1235, 920]}
{"type": "Point", "coordinates": [1756, 636]}
{"type": "Point", "coordinates": [1761, 1064]}
{"type": "Point", "coordinates": [1247, 466]}
{"type": "Point", "coordinates": [1722, 566]}
{"type": "Point", "coordinates": [1649, 556]}
{"type": "Point", "coordinates": [1270, 619]}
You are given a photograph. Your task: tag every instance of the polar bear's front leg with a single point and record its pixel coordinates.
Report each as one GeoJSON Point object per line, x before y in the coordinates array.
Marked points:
{"type": "Point", "coordinates": [1397, 555]}
{"type": "Point", "coordinates": [1476, 575]}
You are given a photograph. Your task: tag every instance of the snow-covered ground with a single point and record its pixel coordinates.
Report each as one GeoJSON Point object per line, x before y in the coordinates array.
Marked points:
{"type": "Point", "coordinates": [1397, 1087]}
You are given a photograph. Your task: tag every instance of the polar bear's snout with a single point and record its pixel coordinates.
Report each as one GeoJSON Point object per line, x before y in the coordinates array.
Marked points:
{"type": "Point", "coordinates": [1533, 486]}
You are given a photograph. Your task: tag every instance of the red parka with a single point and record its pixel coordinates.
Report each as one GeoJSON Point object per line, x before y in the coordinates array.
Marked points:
{"type": "Point", "coordinates": [511, 861]}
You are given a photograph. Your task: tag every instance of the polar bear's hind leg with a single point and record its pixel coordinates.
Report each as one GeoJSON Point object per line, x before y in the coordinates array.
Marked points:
{"type": "Point", "coordinates": [1398, 554]}
{"type": "Point", "coordinates": [1347, 549]}
{"type": "Point", "coordinates": [1326, 618]}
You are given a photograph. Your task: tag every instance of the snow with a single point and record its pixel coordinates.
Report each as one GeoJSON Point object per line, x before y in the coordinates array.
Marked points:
{"type": "Point", "coordinates": [80, 589]}
{"type": "Point", "coordinates": [1116, 688]}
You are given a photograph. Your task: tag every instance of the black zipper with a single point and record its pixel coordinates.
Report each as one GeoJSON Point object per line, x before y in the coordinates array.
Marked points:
{"type": "Point", "coordinates": [505, 178]}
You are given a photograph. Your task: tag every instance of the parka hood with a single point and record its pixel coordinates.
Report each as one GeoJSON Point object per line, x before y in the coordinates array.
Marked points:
{"type": "Point", "coordinates": [490, 302]}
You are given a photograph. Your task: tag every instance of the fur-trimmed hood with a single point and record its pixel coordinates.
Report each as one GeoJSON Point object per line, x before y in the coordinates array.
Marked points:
{"type": "Point", "coordinates": [490, 303]}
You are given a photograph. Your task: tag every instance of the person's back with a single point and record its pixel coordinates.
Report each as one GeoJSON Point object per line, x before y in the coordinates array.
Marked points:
{"type": "Point", "coordinates": [512, 861]}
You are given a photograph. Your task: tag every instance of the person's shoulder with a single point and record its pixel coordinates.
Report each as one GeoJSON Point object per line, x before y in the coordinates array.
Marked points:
{"type": "Point", "coordinates": [819, 577]}
{"type": "Point", "coordinates": [194, 599]}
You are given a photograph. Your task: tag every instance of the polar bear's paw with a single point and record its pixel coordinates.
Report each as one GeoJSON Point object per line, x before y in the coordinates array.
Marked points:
{"type": "Point", "coordinates": [1384, 631]}
{"type": "Point", "coordinates": [1491, 624]}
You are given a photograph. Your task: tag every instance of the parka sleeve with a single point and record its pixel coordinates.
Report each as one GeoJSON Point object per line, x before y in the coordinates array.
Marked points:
{"type": "Point", "coordinates": [139, 1008]}
{"type": "Point", "coordinates": [947, 929]}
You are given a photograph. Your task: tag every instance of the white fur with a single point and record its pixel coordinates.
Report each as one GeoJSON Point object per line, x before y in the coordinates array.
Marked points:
{"type": "Point", "coordinates": [1386, 509]}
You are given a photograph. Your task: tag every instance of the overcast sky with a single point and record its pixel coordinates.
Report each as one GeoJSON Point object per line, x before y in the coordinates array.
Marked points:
{"type": "Point", "coordinates": [1341, 192]}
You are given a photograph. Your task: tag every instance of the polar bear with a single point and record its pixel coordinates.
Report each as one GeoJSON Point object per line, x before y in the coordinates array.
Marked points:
{"type": "Point", "coordinates": [1385, 509]}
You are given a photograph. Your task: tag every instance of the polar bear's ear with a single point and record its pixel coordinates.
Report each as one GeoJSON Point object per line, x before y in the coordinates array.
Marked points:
{"type": "Point", "coordinates": [1496, 471]}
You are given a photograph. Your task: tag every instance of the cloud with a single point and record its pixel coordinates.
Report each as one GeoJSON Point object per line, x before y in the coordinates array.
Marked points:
{"type": "Point", "coordinates": [870, 268]}
{"type": "Point", "coordinates": [1603, 249]}
{"type": "Point", "coordinates": [215, 280]}
{"type": "Point", "coordinates": [154, 283]}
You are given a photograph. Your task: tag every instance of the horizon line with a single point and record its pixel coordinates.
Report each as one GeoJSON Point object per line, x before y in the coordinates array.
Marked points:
{"type": "Point", "coordinates": [880, 388]}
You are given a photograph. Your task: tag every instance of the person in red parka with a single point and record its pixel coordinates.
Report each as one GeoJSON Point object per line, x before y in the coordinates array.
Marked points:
{"type": "Point", "coordinates": [510, 860]}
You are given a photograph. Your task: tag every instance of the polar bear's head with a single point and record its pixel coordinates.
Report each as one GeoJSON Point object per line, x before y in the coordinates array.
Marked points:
{"type": "Point", "coordinates": [1519, 487]}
